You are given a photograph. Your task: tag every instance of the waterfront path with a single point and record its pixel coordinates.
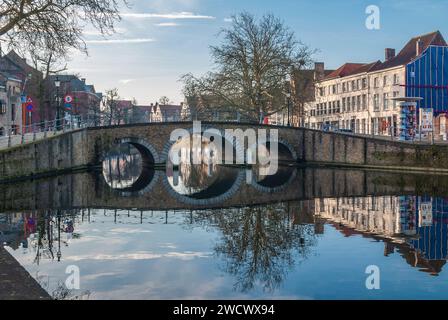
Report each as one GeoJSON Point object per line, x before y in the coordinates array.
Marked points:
{"type": "Point", "coordinates": [16, 283]}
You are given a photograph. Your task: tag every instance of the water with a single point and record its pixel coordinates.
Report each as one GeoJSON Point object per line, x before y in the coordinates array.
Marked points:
{"type": "Point", "coordinates": [306, 240]}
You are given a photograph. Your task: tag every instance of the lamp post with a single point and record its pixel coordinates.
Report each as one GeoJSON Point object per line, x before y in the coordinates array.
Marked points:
{"type": "Point", "coordinates": [288, 97]}
{"type": "Point", "coordinates": [57, 84]}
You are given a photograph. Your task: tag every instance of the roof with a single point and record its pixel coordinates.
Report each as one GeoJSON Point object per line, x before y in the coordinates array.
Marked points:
{"type": "Point", "coordinates": [124, 104]}
{"type": "Point", "coordinates": [409, 52]}
{"type": "Point", "coordinates": [345, 70]}
{"type": "Point", "coordinates": [406, 55]}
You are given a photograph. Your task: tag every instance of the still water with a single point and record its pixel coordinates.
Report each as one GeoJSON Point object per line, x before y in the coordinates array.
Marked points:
{"type": "Point", "coordinates": [289, 243]}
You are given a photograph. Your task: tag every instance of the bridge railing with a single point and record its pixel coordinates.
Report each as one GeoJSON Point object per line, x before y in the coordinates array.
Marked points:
{"type": "Point", "coordinates": [37, 131]}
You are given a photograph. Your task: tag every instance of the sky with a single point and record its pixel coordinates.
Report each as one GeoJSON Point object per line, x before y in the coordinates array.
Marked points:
{"type": "Point", "coordinates": [157, 41]}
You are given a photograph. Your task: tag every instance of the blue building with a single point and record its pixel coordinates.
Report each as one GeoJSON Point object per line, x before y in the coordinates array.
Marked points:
{"type": "Point", "coordinates": [427, 77]}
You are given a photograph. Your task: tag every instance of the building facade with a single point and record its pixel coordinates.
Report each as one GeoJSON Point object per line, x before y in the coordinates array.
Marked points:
{"type": "Point", "coordinates": [10, 105]}
{"type": "Point", "coordinates": [359, 96]}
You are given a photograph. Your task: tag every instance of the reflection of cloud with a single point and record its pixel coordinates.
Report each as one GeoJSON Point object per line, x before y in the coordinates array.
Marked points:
{"type": "Point", "coordinates": [120, 41]}
{"type": "Point", "coordinates": [167, 24]}
{"type": "Point", "coordinates": [173, 15]}
{"type": "Point", "coordinates": [126, 230]}
{"type": "Point", "coordinates": [188, 255]}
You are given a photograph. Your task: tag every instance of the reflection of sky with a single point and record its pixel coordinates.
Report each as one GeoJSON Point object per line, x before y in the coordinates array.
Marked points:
{"type": "Point", "coordinates": [154, 260]}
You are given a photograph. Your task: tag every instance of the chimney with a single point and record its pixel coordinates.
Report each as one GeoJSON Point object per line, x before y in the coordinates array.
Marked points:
{"type": "Point", "coordinates": [319, 71]}
{"type": "Point", "coordinates": [419, 47]}
{"type": "Point", "coordinates": [83, 80]}
{"type": "Point", "coordinates": [390, 54]}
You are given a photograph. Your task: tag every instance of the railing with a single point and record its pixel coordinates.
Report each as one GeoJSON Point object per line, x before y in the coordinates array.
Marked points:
{"type": "Point", "coordinates": [38, 131]}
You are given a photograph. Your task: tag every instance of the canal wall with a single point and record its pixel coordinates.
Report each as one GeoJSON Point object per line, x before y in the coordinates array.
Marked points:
{"type": "Point", "coordinates": [16, 283]}
{"type": "Point", "coordinates": [85, 148]}
{"type": "Point", "coordinates": [368, 152]}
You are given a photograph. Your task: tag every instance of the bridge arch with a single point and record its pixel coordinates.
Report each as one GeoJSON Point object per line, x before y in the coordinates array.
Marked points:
{"type": "Point", "coordinates": [148, 176]}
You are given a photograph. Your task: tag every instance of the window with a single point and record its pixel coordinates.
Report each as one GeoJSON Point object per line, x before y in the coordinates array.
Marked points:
{"type": "Point", "coordinates": [385, 101]}
{"type": "Point", "coordinates": [353, 85]}
{"type": "Point", "coordinates": [376, 102]}
{"type": "Point", "coordinates": [375, 83]}
{"type": "Point", "coordinates": [338, 107]}
{"type": "Point", "coordinates": [358, 84]}
{"type": "Point", "coordinates": [358, 103]}
{"type": "Point", "coordinates": [364, 102]}
{"type": "Point", "coordinates": [364, 83]}
{"type": "Point", "coordinates": [343, 104]}
{"type": "Point", "coordinates": [2, 107]}
{"type": "Point", "coordinates": [395, 94]}
{"type": "Point", "coordinates": [344, 87]}
{"type": "Point", "coordinates": [2, 131]}
{"type": "Point", "coordinates": [384, 81]}
{"type": "Point", "coordinates": [335, 89]}
{"type": "Point", "coordinates": [396, 79]}
{"type": "Point", "coordinates": [348, 104]}
{"type": "Point", "coordinates": [353, 104]}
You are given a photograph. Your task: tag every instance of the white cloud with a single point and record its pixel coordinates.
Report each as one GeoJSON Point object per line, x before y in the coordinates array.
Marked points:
{"type": "Point", "coordinates": [92, 32]}
{"type": "Point", "coordinates": [120, 41]}
{"type": "Point", "coordinates": [228, 19]}
{"type": "Point", "coordinates": [173, 15]}
{"type": "Point", "coordinates": [167, 24]}
{"type": "Point", "coordinates": [126, 81]}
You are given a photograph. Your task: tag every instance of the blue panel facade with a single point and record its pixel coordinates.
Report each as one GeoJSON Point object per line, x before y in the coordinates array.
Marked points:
{"type": "Point", "coordinates": [427, 77]}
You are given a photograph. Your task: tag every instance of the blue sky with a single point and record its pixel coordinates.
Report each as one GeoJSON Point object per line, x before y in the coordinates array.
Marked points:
{"type": "Point", "coordinates": [159, 40]}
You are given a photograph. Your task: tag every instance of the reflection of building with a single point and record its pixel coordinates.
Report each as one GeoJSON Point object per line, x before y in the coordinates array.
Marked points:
{"type": "Point", "coordinates": [417, 227]}
{"type": "Point", "coordinates": [372, 214]}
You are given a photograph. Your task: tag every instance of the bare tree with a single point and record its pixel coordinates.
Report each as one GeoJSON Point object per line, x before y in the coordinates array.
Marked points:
{"type": "Point", "coordinates": [55, 24]}
{"type": "Point", "coordinates": [164, 100]}
{"type": "Point", "coordinates": [252, 64]}
{"type": "Point", "coordinates": [112, 114]}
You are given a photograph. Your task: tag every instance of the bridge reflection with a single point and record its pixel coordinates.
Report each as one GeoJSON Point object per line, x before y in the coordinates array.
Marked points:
{"type": "Point", "coordinates": [259, 244]}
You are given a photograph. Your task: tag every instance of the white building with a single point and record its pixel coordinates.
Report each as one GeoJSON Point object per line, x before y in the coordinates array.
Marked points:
{"type": "Point", "coordinates": [10, 105]}
{"type": "Point", "coordinates": [357, 96]}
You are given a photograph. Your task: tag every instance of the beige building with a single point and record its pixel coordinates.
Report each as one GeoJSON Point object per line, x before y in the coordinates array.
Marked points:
{"type": "Point", "coordinates": [377, 215]}
{"type": "Point", "coordinates": [357, 96]}
{"type": "Point", "coordinates": [10, 106]}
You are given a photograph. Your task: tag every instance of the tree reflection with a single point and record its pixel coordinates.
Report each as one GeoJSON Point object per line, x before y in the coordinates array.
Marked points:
{"type": "Point", "coordinates": [260, 245]}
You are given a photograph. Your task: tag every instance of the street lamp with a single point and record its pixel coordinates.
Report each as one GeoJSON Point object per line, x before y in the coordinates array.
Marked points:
{"type": "Point", "coordinates": [288, 96]}
{"type": "Point", "coordinates": [57, 84]}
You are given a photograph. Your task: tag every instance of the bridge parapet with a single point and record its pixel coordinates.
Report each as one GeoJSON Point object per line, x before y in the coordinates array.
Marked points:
{"type": "Point", "coordinates": [85, 148]}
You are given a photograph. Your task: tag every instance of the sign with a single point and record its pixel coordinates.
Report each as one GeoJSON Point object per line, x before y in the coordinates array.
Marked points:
{"type": "Point", "coordinates": [23, 99]}
{"type": "Point", "coordinates": [29, 100]}
{"type": "Point", "coordinates": [68, 106]}
{"type": "Point", "coordinates": [426, 120]}
{"type": "Point", "coordinates": [68, 99]}
{"type": "Point", "coordinates": [29, 107]}
{"type": "Point", "coordinates": [425, 214]}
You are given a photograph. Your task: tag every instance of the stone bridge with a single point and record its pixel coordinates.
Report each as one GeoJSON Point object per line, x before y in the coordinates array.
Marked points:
{"type": "Point", "coordinates": [86, 148]}
{"type": "Point", "coordinates": [89, 190]}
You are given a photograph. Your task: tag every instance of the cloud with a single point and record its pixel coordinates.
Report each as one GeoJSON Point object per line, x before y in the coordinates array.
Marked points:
{"type": "Point", "coordinates": [167, 24]}
{"type": "Point", "coordinates": [92, 32]}
{"type": "Point", "coordinates": [173, 15]}
{"type": "Point", "coordinates": [126, 81]}
{"type": "Point", "coordinates": [228, 19]}
{"type": "Point", "coordinates": [120, 41]}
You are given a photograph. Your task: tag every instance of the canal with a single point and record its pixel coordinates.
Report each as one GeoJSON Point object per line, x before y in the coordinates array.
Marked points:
{"type": "Point", "coordinates": [282, 243]}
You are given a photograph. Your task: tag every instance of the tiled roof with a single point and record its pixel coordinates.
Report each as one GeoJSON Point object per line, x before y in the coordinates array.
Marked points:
{"type": "Point", "coordinates": [406, 55]}
{"type": "Point", "coordinates": [345, 70]}
{"type": "Point", "coordinates": [409, 52]}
